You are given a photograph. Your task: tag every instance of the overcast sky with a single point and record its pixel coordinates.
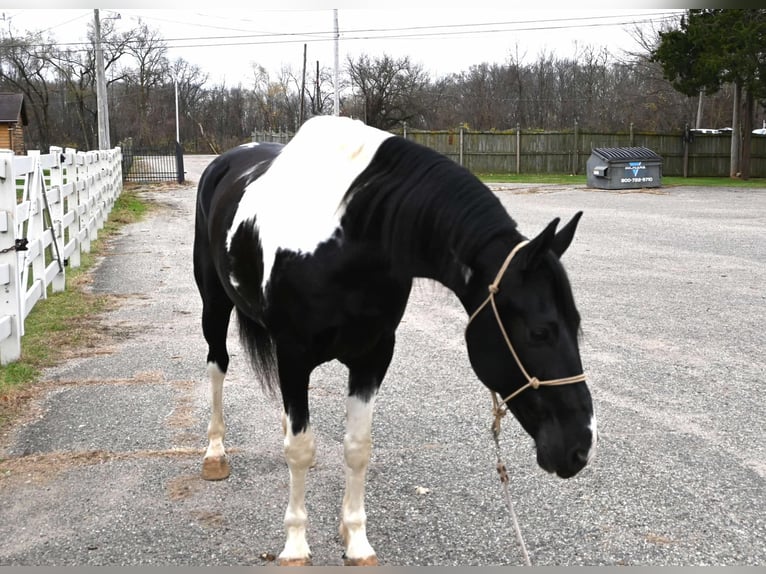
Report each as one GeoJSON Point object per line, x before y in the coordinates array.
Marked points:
{"type": "Point", "coordinates": [444, 36]}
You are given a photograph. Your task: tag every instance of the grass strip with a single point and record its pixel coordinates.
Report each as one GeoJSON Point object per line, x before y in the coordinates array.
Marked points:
{"type": "Point", "coordinates": [65, 320]}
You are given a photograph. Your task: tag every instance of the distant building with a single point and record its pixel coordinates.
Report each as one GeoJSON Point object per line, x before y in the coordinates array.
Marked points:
{"type": "Point", "coordinates": [13, 118]}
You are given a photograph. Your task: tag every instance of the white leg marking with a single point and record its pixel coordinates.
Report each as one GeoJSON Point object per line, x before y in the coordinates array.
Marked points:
{"type": "Point", "coordinates": [216, 428]}
{"type": "Point", "coordinates": [357, 449]}
{"type": "Point", "coordinates": [299, 453]}
{"type": "Point", "coordinates": [594, 439]}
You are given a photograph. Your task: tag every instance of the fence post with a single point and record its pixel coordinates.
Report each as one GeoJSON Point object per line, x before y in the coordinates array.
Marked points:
{"type": "Point", "coordinates": [36, 225]}
{"type": "Point", "coordinates": [72, 232]}
{"type": "Point", "coordinates": [518, 149]}
{"type": "Point", "coordinates": [57, 215]}
{"type": "Point", "coordinates": [95, 192]}
{"type": "Point", "coordinates": [10, 297]}
{"type": "Point", "coordinates": [576, 151]}
{"type": "Point", "coordinates": [83, 200]}
{"type": "Point", "coordinates": [99, 169]}
{"type": "Point", "coordinates": [179, 163]}
{"type": "Point", "coordinates": [462, 126]}
{"type": "Point", "coordinates": [118, 169]}
{"type": "Point", "coordinates": [111, 180]}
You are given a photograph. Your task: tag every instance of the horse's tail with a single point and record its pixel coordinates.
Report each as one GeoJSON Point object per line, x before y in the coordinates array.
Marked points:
{"type": "Point", "coordinates": [260, 350]}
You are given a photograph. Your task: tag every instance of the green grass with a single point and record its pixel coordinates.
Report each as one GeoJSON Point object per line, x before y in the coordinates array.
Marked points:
{"type": "Point", "coordinates": [63, 322]}
{"type": "Point", "coordinates": [581, 180]}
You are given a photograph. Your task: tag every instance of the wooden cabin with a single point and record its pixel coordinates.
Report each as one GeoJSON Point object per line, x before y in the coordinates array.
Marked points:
{"type": "Point", "coordinates": [13, 118]}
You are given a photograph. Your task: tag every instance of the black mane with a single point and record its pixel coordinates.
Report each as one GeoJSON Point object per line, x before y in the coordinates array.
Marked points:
{"type": "Point", "coordinates": [563, 293]}
{"type": "Point", "coordinates": [423, 209]}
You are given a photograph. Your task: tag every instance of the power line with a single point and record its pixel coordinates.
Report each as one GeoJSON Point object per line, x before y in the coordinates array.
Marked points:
{"type": "Point", "coordinates": [394, 33]}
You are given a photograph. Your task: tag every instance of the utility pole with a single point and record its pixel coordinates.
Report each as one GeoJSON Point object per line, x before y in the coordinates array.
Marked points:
{"type": "Point", "coordinates": [336, 109]}
{"type": "Point", "coordinates": [178, 130]}
{"type": "Point", "coordinates": [102, 105]}
{"type": "Point", "coordinates": [303, 90]}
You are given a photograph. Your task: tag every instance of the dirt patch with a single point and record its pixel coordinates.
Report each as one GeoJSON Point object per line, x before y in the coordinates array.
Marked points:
{"type": "Point", "coordinates": [139, 187]}
{"type": "Point", "coordinates": [659, 539]}
{"type": "Point", "coordinates": [208, 519]}
{"type": "Point", "coordinates": [42, 468]}
{"type": "Point", "coordinates": [647, 190]}
{"type": "Point", "coordinates": [183, 487]}
{"type": "Point", "coordinates": [19, 407]}
{"type": "Point", "coordinates": [526, 189]}
{"type": "Point", "coordinates": [183, 419]}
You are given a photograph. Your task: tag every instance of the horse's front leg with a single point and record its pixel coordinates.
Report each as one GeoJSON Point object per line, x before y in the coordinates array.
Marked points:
{"type": "Point", "coordinates": [299, 450]}
{"type": "Point", "coordinates": [365, 376]}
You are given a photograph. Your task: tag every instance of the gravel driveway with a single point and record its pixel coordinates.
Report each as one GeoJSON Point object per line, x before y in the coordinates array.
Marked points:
{"type": "Point", "coordinates": [104, 469]}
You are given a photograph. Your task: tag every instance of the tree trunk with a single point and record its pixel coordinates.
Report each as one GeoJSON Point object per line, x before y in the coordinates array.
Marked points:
{"type": "Point", "coordinates": [747, 132]}
{"type": "Point", "coordinates": [735, 132]}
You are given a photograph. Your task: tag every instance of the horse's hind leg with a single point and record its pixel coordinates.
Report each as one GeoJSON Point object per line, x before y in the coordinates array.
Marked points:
{"type": "Point", "coordinates": [365, 376]}
{"type": "Point", "coordinates": [299, 450]}
{"type": "Point", "coordinates": [216, 313]}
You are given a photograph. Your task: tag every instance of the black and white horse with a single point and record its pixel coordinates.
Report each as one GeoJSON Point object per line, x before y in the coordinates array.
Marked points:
{"type": "Point", "coordinates": [316, 245]}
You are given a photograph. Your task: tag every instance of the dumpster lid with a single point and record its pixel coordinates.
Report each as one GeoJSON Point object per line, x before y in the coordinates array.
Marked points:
{"type": "Point", "coordinates": [625, 153]}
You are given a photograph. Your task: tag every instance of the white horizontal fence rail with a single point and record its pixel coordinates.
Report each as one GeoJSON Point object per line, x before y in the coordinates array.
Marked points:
{"type": "Point", "coordinates": [51, 208]}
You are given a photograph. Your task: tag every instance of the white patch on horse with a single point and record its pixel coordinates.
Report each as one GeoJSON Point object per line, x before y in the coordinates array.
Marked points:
{"type": "Point", "coordinates": [297, 203]}
{"type": "Point", "coordinates": [216, 428]}
{"type": "Point", "coordinates": [299, 452]}
{"type": "Point", "coordinates": [467, 273]}
{"type": "Point", "coordinates": [357, 449]}
{"type": "Point", "coordinates": [593, 426]}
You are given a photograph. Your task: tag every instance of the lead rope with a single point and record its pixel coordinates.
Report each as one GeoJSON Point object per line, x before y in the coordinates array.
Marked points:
{"type": "Point", "coordinates": [500, 408]}
{"type": "Point", "coordinates": [503, 472]}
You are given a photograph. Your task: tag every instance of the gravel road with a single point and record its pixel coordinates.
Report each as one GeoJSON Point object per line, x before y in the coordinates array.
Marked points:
{"type": "Point", "coordinates": [104, 468]}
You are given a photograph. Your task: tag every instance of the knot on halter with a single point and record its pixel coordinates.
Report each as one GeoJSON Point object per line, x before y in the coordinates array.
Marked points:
{"type": "Point", "coordinates": [499, 411]}
{"type": "Point", "coordinates": [534, 382]}
{"type": "Point", "coordinates": [493, 289]}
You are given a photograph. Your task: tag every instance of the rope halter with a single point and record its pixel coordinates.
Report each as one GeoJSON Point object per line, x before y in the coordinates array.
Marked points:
{"type": "Point", "coordinates": [532, 382]}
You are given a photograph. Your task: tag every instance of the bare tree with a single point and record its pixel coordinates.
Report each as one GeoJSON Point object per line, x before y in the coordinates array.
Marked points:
{"type": "Point", "coordinates": [387, 91]}
{"type": "Point", "coordinates": [272, 97]}
{"type": "Point", "coordinates": [190, 81]}
{"type": "Point", "coordinates": [149, 52]}
{"type": "Point", "coordinates": [23, 67]}
{"type": "Point", "coordinates": [322, 92]}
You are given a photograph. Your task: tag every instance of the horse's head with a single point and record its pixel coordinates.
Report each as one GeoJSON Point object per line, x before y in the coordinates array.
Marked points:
{"type": "Point", "coordinates": [522, 343]}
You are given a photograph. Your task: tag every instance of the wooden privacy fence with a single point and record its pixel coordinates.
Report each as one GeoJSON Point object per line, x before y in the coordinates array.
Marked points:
{"type": "Point", "coordinates": [51, 208]}
{"type": "Point", "coordinates": [567, 152]}
{"type": "Point", "coordinates": [520, 151]}
{"type": "Point", "coordinates": [271, 136]}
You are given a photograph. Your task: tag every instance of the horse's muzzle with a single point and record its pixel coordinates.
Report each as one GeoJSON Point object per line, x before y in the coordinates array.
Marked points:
{"type": "Point", "coordinates": [565, 453]}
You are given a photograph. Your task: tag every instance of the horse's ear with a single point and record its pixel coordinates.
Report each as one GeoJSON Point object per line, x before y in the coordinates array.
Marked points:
{"type": "Point", "coordinates": [531, 252]}
{"type": "Point", "coordinates": [564, 237]}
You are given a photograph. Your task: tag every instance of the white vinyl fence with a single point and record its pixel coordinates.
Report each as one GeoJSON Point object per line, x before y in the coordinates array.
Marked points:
{"type": "Point", "coordinates": [51, 207]}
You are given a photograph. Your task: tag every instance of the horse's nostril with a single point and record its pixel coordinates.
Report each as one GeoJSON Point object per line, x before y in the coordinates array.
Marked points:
{"type": "Point", "coordinates": [579, 456]}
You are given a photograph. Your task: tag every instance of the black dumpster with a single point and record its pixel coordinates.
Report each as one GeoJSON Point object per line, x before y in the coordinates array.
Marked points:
{"type": "Point", "coordinates": [624, 168]}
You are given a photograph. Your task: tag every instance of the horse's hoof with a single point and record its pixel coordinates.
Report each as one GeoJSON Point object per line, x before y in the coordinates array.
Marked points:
{"type": "Point", "coordinates": [369, 561]}
{"type": "Point", "coordinates": [215, 468]}
{"type": "Point", "coordinates": [294, 562]}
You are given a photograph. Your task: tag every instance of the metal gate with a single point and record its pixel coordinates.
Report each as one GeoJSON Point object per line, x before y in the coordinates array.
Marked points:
{"type": "Point", "coordinates": [149, 165]}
